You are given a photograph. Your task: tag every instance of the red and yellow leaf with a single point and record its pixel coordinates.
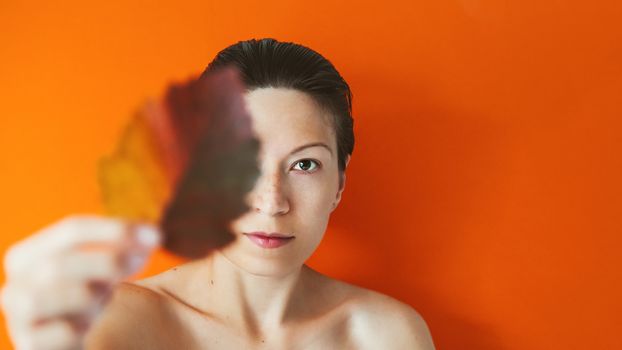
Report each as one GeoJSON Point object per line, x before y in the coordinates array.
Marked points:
{"type": "Point", "coordinates": [187, 163]}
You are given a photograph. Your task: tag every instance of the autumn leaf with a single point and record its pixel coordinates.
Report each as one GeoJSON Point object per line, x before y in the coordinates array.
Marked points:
{"type": "Point", "coordinates": [186, 162]}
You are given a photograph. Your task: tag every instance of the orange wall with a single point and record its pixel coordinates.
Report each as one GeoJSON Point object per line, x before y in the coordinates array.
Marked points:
{"type": "Point", "coordinates": [485, 185]}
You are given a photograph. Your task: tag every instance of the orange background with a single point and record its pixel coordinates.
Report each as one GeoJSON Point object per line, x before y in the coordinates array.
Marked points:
{"type": "Point", "coordinates": [485, 185]}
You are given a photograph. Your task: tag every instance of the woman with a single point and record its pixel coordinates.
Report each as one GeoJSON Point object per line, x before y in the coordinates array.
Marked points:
{"type": "Point", "coordinates": [255, 292]}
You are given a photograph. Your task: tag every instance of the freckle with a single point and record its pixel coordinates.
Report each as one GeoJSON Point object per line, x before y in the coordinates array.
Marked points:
{"type": "Point", "coordinates": [175, 269]}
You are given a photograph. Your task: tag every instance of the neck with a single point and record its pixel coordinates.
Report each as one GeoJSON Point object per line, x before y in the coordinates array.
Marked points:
{"type": "Point", "coordinates": [256, 303]}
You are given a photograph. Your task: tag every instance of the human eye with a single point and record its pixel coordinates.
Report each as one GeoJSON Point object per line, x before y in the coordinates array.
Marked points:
{"type": "Point", "coordinates": [306, 165]}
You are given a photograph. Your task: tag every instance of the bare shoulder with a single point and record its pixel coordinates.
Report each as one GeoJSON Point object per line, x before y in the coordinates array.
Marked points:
{"type": "Point", "coordinates": [130, 319]}
{"type": "Point", "coordinates": [378, 321]}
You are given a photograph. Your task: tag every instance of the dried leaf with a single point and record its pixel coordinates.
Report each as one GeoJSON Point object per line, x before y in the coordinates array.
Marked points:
{"type": "Point", "coordinates": [187, 163]}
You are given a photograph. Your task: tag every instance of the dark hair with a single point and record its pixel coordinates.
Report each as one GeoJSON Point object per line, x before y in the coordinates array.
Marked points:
{"type": "Point", "coordinates": [271, 63]}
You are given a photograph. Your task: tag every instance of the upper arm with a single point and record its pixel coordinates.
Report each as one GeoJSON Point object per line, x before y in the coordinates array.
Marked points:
{"type": "Point", "coordinates": [386, 323]}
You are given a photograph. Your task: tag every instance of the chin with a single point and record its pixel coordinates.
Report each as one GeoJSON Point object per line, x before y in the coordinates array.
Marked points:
{"type": "Point", "coordinates": [269, 265]}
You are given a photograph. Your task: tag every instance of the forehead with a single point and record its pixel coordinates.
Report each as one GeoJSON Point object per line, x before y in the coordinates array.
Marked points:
{"type": "Point", "coordinates": [287, 118]}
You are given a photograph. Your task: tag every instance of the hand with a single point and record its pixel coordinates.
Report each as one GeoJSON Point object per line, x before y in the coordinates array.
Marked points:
{"type": "Point", "coordinates": [58, 279]}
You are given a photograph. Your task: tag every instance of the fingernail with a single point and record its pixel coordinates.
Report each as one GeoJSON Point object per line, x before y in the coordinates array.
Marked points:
{"type": "Point", "coordinates": [135, 263]}
{"type": "Point", "coordinates": [147, 236]}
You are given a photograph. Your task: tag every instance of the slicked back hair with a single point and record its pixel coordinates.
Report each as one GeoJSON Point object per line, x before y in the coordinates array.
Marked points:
{"type": "Point", "coordinates": [267, 63]}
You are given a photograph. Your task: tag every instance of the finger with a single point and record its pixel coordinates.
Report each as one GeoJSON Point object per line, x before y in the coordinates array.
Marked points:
{"type": "Point", "coordinates": [76, 267]}
{"type": "Point", "coordinates": [66, 233]}
{"type": "Point", "coordinates": [72, 232]}
{"type": "Point", "coordinates": [54, 335]}
{"type": "Point", "coordinates": [71, 299]}
{"type": "Point", "coordinates": [105, 266]}
{"type": "Point", "coordinates": [133, 262]}
{"type": "Point", "coordinates": [26, 306]}
{"type": "Point", "coordinates": [75, 276]}
{"type": "Point", "coordinates": [99, 265]}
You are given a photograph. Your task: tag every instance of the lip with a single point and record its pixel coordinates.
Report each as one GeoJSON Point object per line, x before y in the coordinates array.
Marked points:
{"type": "Point", "coordinates": [269, 240]}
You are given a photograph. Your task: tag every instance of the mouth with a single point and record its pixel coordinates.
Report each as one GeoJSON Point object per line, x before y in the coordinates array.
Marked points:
{"type": "Point", "coordinates": [269, 240]}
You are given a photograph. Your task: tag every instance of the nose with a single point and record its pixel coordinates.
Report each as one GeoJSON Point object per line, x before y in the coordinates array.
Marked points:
{"type": "Point", "coordinates": [268, 196]}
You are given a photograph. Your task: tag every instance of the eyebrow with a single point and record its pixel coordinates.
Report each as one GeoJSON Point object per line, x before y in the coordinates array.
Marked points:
{"type": "Point", "coordinates": [309, 145]}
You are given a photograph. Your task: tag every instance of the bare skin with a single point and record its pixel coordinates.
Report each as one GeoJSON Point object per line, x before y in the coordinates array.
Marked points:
{"type": "Point", "coordinates": [243, 296]}
{"type": "Point", "coordinates": [249, 297]}
{"type": "Point", "coordinates": [321, 313]}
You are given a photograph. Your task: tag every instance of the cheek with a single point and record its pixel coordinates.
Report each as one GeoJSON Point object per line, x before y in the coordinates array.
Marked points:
{"type": "Point", "coordinates": [312, 200]}
{"type": "Point", "coordinates": [315, 193]}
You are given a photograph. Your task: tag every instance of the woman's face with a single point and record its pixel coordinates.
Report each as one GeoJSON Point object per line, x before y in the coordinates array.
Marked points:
{"type": "Point", "coordinates": [299, 184]}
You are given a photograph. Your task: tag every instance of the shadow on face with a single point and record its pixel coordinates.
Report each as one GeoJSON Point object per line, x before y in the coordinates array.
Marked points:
{"type": "Point", "coordinates": [299, 183]}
